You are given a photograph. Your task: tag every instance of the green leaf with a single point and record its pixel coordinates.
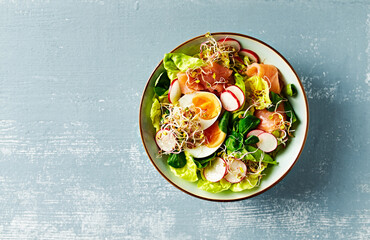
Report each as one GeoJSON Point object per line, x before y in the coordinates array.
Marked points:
{"type": "Point", "coordinates": [258, 154]}
{"type": "Point", "coordinates": [188, 172]}
{"type": "Point", "coordinates": [179, 62]}
{"type": "Point", "coordinates": [248, 123]}
{"type": "Point", "coordinates": [177, 160]}
{"type": "Point", "coordinates": [234, 142]}
{"type": "Point", "coordinates": [277, 150]}
{"type": "Point", "coordinates": [155, 113]}
{"type": "Point", "coordinates": [162, 84]}
{"type": "Point", "coordinates": [214, 187]}
{"type": "Point", "coordinates": [244, 155]}
{"type": "Point", "coordinates": [290, 90]}
{"type": "Point", "coordinates": [275, 99]}
{"type": "Point", "coordinates": [251, 140]}
{"type": "Point", "coordinates": [290, 112]}
{"type": "Point", "coordinates": [239, 82]}
{"type": "Point", "coordinates": [258, 92]}
{"type": "Point", "coordinates": [203, 162]}
{"type": "Point", "coordinates": [224, 122]}
{"type": "Point", "coordinates": [249, 182]}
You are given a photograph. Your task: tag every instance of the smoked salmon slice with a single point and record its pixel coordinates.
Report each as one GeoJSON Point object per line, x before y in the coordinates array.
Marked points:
{"type": "Point", "coordinates": [270, 121]}
{"type": "Point", "coordinates": [188, 84]}
{"type": "Point", "coordinates": [266, 72]}
{"type": "Point", "coordinates": [213, 78]}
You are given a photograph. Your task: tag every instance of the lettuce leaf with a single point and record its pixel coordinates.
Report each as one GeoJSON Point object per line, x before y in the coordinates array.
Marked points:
{"type": "Point", "coordinates": [239, 114]}
{"type": "Point", "coordinates": [244, 155]}
{"type": "Point", "coordinates": [239, 81]}
{"type": "Point", "coordinates": [189, 171]}
{"type": "Point", "coordinates": [164, 98]}
{"type": "Point", "coordinates": [259, 155]}
{"type": "Point", "coordinates": [249, 182]}
{"type": "Point", "coordinates": [257, 92]}
{"type": "Point", "coordinates": [179, 62]}
{"type": "Point", "coordinates": [162, 84]}
{"type": "Point", "coordinates": [213, 187]}
{"type": "Point", "coordinates": [155, 113]}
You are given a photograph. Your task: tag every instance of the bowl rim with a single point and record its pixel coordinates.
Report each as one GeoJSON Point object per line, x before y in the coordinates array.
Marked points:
{"type": "Point", "coordinates": [274, 183]}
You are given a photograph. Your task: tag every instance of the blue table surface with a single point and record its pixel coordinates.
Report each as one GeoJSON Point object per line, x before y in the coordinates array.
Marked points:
{"type": "Point", "coordinates": [72, 164]}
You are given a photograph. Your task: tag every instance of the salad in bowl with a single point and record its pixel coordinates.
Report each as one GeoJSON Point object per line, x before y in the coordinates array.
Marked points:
{"type": "Point", "coordinates": [220, 116]}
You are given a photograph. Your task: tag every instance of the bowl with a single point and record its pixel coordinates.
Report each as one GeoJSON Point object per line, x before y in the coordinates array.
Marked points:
{"type": "Point", "coordinates": [287, 158]}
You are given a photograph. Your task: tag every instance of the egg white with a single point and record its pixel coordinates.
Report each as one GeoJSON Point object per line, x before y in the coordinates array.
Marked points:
{"type": "Point", "coordinates": [187, 101]}
{"type": "Point", "coordinates": [201, 151]}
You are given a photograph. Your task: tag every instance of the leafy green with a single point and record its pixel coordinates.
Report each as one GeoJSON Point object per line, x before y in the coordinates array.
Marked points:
{"type": "Point", "coordinates": [259, 154]}
{"type": "Point", "coordinates": [234, 142]}
{"type": "Point", "coordinates": [277, 150]}
{"type": "Point", "coordinates": [258, 90]}
{"type": "Point", "coordinates": [244, 155]}
{"type": "Point", "coordinates": [203, 162]}
{"type": "Point", "coordinates": [249, 182]}
{"type": "Point", "coordinates": [290, 90]}
{"type": "Point", "coordinates": [162, 84]}
{"type": "Point", "coordinates": [235, 124]}
{"type": "Point", "coordinates": [276, 99]}
{"type": "Point", "coordinates": [180, 62]}
{"type": "Point", "coordinates": [248, 123]}
{"type": "Point", "coordinates": [213, 187]}
{"type": "Point", "coordinates": [164, 98]}
{"type": "Point", "coordinates": [276, 133]}
{"type": "Point", "coordinates": [189, 171]}
{"type": "Point", "coordinates": [177, 160]}
{"type": "Point", "coordinates": [224, 121]}
{"type": "Point", "coordinates": [251, 140]}
{"type": "Point", "coordinates": [239, 114]}
{"type": "Point", "coordinates": [290, 112]}
{"type": "Point", "coordinates": [155, 113]}
{"type": "Point", "coordinates": [239, 81]}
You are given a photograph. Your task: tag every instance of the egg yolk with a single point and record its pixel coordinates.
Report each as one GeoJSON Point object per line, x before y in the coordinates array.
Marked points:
{"type": "Point", "coordinates": [207, 104]}
{"type": "Point", "coordinates": [214, 136]}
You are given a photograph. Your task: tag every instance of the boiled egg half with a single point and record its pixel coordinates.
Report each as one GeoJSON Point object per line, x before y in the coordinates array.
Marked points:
{"type": "Point", "coordinates": [206, 104]}
{"type": "Point", "coordinates": [214, 139]}
{"type": "Point", "coordinates": [209, 106]}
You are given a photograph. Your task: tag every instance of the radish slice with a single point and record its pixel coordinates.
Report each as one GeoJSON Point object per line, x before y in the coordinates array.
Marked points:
{"type": "Point", "coordinates": [255, 132]}
{"type": "Point", "coordinates": [215, 170]}
{"type": "Point", "coordinates": [166, 140]}
{"type": "Point", "coordinates": [174, 93]}
{"type": "Point", "coordinates": [267, 143]}
{"type": "Point", "coordinates": [230, 42]}
{"type": "Point", "coordinates": [237, 171]}
{"type": "Point", "coordinates": [250, 54]}
{"type": "Point", "coordinates": [238, 93]}
{"type": "Point", "coordinates": [229, 101]}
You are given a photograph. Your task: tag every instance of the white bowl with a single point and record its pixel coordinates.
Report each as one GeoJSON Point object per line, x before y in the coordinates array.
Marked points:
{"type": "Point", "coordinates": [286, 159]}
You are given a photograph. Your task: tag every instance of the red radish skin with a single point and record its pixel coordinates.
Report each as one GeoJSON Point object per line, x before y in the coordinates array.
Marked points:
{"type": "Point", "coordinates": [238, 93]}
{"type": "Point", "coordinates": [216, 170]}
{"type": "Point", "coordinates": [250, 54]}
{"type": "Point", "coordinates": [267, 143]}
{"type": "Point", "coordinates": [229, 101]}
{"type": "Point", "coordinates": [237, 171]}
{"type": "Point", "coordinates": [174, 93]}
{"type": "Point", "coordinates": [255, 132]}
{"type": "Point", "coordinates": [165, 140]}
{"type": "Point", "coordinates": [230, 42]}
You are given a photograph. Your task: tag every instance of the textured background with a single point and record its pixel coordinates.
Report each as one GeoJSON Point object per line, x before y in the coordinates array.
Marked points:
{"type": "Point", "coordinates": [72, 165]}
